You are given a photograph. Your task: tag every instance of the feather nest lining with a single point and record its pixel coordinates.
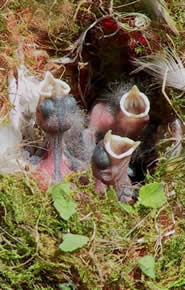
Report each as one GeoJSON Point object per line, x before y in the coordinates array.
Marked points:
{"type": "Point", "coordinates": [163, 64]}
{"type": "Point", "coordinates": [23, 95]}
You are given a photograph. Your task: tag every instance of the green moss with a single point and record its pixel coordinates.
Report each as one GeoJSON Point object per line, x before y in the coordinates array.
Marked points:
{"type": "Point", "coordinates": [2, 24]}
{"type": "Point", "coordinates": [31, 232]}
{"type": "Point", "coordinates": [19, 4]}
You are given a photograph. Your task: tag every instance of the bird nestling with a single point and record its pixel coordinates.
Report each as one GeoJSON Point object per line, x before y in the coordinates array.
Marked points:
{"type": "Point", "coordinates": [110, 162]}
{"type": "Point", "coordinates": [125, 112]}
{"type": "Point", "coordinates": [60, 117]}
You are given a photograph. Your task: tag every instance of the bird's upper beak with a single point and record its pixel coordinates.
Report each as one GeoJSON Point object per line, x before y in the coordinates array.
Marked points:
{"type": "Point", "coordinates": [135, 104]}
{"type": "Point", "coordinates": [119, 147]}
{"type": "Point", "coordinates": [52, 87]}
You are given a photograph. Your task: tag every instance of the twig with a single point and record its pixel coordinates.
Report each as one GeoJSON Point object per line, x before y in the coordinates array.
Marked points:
{"type": "Point", "coordinates": [111, 6]}
{"type": "Point", "coordinates": [79, 86]}
{"type": "Point", "coordinates": [112, 34]}
{"type": "Point", "coordinates": [6, 2]}
{"type": "Point", "coordinates": [49, 18]}
{"type": "Point", "coordinates": [78, 45]}
{"type": "Point", "coordinates": [10, 235]}
{"type": "Point", "coordinates": [171, 40]}
{"type": "Point", "coordinates": [78, 8]}
{"type": "Point", "coordinates": [128, 4]}
{"type": "Point", "coordinates": [94, 259]}
{"type": "Point", "coordinates": [86, 216]}
{"type": "Point", "coordinates": [23, 264]}
{"type": "Point", "coordinates": [94, 233]}
{"type": "Point", "coordinates": [159, 239]}
{"type": "Point", "coordinates": [136, 226]}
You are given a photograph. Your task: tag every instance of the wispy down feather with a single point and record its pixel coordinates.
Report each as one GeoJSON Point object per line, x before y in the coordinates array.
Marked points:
{"type": "Point", "coordinates": [163, 64]}
{"type": "Point", "coordinates": [24, 96]}
{"type": "Point", "coordinates": [11, 159]}
{"type": "Point", "coordinates": [159, 8]}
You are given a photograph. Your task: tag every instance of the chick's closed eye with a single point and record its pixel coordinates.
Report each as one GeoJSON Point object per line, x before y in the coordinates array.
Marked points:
{"type": "Point", "coordinates": [47, 108]}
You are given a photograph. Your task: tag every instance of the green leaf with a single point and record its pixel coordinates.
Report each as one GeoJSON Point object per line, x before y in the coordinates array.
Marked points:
{"type": "Point", "coordinates": [128, 208]}
{"type": "Point", "coordinates": [152, 195]}
{"type": "Point", "coordinates": [63, 203]}
{"type": "Point", "coordinates": [147, 266]}
{"type": "Point", "coordinates": [72, 242]}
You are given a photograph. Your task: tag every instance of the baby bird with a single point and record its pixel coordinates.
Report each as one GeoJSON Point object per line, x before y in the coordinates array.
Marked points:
{"type": "Point", "coordinates": [125, 112]}
{"type": "Point", "coordinates": [70, 144]}
{"type": "Point", "coordinates": [110, 162]}
{"type": "Point", "coordinates": [55, 118]}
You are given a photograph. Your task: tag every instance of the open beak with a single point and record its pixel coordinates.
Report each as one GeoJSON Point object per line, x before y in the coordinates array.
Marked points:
{"type": "Point", "coordinates": [134, 113]}
{"type": "Point", "coordinates": [118, 147]}
{"type": "Point", "coordinates": [52, 87]}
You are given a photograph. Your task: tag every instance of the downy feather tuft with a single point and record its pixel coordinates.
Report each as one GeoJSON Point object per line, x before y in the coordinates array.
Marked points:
{"type": "Point", "coordinates": [163, 64]}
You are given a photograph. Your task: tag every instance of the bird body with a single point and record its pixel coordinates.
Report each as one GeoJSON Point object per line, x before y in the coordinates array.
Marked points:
{"type": "Point", "coordinates": [116, 152]}
{"type": "Point", "coordinates": [125, 112]}
{"type": "Point", "coordinates": [70, 144]}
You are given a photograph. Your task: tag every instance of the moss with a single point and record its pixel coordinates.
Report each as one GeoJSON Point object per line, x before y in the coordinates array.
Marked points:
{"type": "Point", "coordinates": [19, 4]}
{"type": "Point", "coordinates": [32, 231]}
{"type": "Point", "coordinates": [2, 25]}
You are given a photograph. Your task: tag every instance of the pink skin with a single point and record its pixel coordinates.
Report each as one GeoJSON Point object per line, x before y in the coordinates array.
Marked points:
{"type": "Point", "coordinates": [125, 118]}
{"type": "Point", "coordinates": [47, 163]}
{"type": "Point", "coordinates": [117, 176]}
{"type": "Point", "coordinates": [47, 166]}
{"type": "Point", "coordinates": [101, 119]}
{"type": "Point", "coordinates": [56, 116]}
{"type": "Point", "coordinates": [129, 127]}
{"type": "Point", "coordinates": [100, 187]}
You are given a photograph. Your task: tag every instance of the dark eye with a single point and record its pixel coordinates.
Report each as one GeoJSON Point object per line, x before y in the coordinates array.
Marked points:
{"type": "Point", "coordinates": [47, 108]}
{"type": "Point", "coordinates": [100, 158]}
{"type": "Point", "coordinates": [70, 104]}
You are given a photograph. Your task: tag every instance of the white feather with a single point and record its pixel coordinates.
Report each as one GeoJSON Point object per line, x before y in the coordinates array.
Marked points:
{"type": "Point", "coordinates": [24, 96]}
{"type": "Point", "coordinates": [10, 152]}
{"type": "Point", "coordinates": [163, 64]}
